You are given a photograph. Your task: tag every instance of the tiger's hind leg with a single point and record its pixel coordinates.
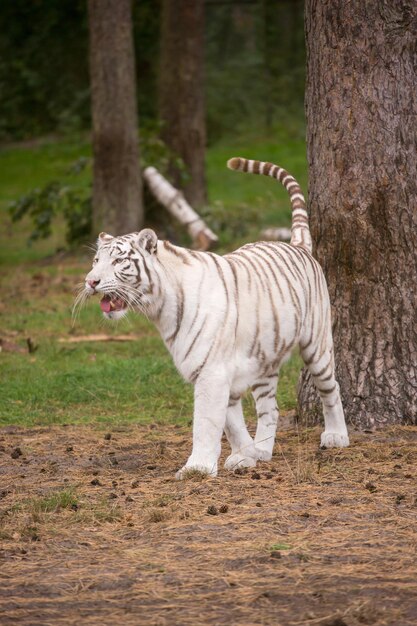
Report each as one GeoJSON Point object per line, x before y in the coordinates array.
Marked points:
{"type": "Point", "coordinates": [264, 392]}
{"type": "Point", "coordinates": [244, 453]}
{"type": "Point", "coordinates": [320, 364]}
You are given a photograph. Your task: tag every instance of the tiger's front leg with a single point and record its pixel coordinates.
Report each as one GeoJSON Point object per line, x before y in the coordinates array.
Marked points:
{"type": "Point", "coordinates": [211, 397]}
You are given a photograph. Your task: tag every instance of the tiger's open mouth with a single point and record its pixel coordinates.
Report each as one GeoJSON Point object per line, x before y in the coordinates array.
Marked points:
{"type": "Point", "coordinates": [110, 303]}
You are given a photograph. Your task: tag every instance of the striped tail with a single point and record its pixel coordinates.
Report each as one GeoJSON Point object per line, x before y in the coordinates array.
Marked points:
{"type": "Point", "coordinates": [300, 231]}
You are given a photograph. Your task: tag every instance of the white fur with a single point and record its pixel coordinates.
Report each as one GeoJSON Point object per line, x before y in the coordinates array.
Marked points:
{"type": "Point", "coordinates": [201, 290]}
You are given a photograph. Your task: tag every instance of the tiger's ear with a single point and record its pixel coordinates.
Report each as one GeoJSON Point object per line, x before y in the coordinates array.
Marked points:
{"type": "Point", "coordinates": [147, 240]}
{"type": "Point", "coordinates": [104, 238]}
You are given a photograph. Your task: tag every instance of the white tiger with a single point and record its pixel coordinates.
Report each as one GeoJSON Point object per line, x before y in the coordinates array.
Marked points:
{"type": "Point", "coordinates": [229, 322]}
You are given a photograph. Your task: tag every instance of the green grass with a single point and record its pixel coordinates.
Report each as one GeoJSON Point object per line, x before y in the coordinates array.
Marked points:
{"type": "Point", "coordinates": [28, 514]}
{"type": "Point", "coordinates": [84, 382]}
{"type": "Point", "coordinates": [26, 167]}
{"type": "Point", "coordinates": [279, 546]}
{"type": "Point", "coordinates": [107, 382]}
{"type": "Point", "coordinates": [64, 499]}
{"type": "Point", "coordinates": [236, 190]}
{"type": "Point", "coordinates": [52, 503]}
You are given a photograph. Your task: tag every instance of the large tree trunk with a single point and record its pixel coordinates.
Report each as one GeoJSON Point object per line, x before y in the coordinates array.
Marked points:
{"type": "Point", "coordinates": [117, 185]}
{"type": "Point", "coordinates": [181, 92]}
{"type": "Point", "coordinates": [361, 114]}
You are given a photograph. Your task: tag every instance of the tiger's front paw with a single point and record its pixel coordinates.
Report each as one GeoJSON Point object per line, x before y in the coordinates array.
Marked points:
{"type": "Point", "coordinates": [192, 468]}
{"type": "Point", "coordinates": [334, 440]}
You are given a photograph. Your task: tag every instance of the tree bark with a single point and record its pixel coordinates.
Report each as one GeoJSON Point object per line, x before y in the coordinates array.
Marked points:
{"type": "Point", "coordinates": [117, 184]}
{"type": "Point", "coordinates": [362, 137]}
{"type": "Point", "coordinates": [181, 92]}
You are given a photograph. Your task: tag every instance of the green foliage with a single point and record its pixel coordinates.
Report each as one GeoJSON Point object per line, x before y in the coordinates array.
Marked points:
{"type": "Point", "coordinates": [45, 204]}
{"type": "Point", "coordinates": [43, 67]}
{"type": "Point", "coordinates": [31, 166]}
{"type": "Point", "coordinates": [231, 223]}
{"type": "Point", "coordinates": [239, 205]}
{"type": "Point", "coordinates": [71, 199]}
{"type": "Point", "coordinates": [154, 152]}
{"type": "Point", "coordinates": [44, 77]}
{"type": "Point", "coordinates": [254, 65]}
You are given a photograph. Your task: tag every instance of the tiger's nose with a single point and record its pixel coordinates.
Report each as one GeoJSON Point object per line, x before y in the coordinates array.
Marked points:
{"type": "Point", "coordinates": [93, 283]}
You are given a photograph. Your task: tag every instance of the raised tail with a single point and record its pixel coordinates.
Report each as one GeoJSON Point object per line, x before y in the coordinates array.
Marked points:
{"type": "Point", "coordinates": [300, 231]}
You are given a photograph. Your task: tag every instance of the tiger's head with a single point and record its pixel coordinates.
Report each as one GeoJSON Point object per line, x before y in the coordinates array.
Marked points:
{"type": "Point", "coordinates": [122, 271]}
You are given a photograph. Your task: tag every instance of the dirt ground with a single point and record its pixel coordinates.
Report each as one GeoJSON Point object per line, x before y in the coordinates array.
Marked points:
{"type": "Point", "coordinates": [95, 530]}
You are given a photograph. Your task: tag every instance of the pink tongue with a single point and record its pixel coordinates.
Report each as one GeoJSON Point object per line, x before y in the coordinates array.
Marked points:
{"type": "Point", "coordinates": [105, 305]}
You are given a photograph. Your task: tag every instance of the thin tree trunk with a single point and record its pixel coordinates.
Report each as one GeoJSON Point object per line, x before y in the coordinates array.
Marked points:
{"type": "Point", "coordinates": [362, 138]}
{"type": "Point", "coordinates": [117, 185]}
{"type": "Point", "coordinates": [181, 92]}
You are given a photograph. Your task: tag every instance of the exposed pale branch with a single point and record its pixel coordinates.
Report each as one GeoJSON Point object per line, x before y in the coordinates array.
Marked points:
{"type": "Point", "coordinates": [173, 200]}
{"type": "Point", "coordinates": [97, 337]}
{"type": "Point", "coordinates": [276, 234]}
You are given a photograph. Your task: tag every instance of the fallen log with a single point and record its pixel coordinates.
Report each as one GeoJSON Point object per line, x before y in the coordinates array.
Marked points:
{"type": "Point", "coordinates": [276, 234]}
{"type": "Point", "coordinates": [173, 200]}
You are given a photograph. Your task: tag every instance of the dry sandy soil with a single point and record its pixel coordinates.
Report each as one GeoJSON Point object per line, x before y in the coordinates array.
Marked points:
{"type": "Point", "coordinates": [95, 530]}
